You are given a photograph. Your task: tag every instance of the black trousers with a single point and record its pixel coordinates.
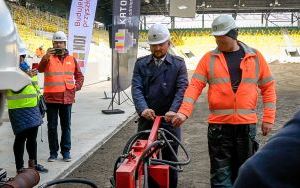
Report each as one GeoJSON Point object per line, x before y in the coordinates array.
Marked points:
{"type": "Point", "coordinates": [28, 136]}
{"type": "Point", "coordinates": [144, 124]}
{"type": "Point", "coordinates": [229, 147]}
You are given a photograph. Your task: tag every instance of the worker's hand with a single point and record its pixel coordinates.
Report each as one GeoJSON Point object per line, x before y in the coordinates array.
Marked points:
{"type": "Point", "coordinates": [266, 128]}
{"type": "Point", "coordinates": [178, 119]}
{"type": "Point", "coordinates": [32, 72]}
{"type": "Point", "coordinates": [148, 114]}
{"type": "Point", "coordinates": [50, 51]}
{"type": "Point", "coordinates": [169, 115]}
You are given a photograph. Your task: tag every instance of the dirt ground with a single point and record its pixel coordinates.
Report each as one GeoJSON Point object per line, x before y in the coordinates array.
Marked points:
{"type": "Point", "coordinates": [99, 166]}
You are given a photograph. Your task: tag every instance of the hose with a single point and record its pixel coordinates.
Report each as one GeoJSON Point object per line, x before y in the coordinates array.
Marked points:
{"type": "Point", "coordinates": [146, 175]}
{"type": "Point", "coordinates": [132, 139]}
{"type": "Point", "coordinates": [69, 180]}
{"type": "Point", "coordinates": [173, 163]}
{"type": "Point", "coordinates": [152, 148]}
{"type": "Point", "coordinates": [125, 152]}
{"type": "Point", "coordinates": [145, 154]}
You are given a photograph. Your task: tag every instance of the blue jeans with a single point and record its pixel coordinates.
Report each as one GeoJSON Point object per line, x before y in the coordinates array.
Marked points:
{"type": "Point", "coordinates": [64, 112]}
{"type": "Point", "coordinates": [229, 147]}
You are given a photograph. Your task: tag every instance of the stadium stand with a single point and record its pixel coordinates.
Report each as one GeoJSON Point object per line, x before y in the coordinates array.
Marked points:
{"type": "Point", "coordinates": [36, 27]}
{"type": "Point", "coordinates": [269, 41]}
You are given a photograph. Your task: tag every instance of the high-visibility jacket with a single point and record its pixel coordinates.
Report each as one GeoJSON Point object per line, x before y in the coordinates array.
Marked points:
{"type": "Point", "coordinates": [59, 76]}
{"type": "Point", "coordinates": [27, 97]}
{"type": "Point", "coordinates": [227, 107]}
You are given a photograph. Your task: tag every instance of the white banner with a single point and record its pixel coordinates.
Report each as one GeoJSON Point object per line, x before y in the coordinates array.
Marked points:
{"type": "Point", "coordinates": [81, 20]}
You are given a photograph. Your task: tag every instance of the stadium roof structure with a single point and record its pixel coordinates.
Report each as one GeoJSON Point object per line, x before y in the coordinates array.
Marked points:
{"type": "Point", "coordinates": [161, 7]}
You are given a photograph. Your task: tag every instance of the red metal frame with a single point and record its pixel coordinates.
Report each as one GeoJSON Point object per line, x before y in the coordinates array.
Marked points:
{"type": "Point", "coordinates": [125, 174]}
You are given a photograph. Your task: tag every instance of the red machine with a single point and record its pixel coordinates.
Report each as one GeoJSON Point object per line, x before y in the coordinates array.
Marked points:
{"type": "Point", "coordinates": [141, 163]}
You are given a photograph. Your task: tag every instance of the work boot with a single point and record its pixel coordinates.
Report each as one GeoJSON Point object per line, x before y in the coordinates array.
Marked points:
{"type": "Point", "coordinates": [31, 163]}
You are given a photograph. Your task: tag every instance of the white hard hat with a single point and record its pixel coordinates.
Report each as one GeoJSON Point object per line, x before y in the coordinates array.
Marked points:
{"type": "Point", "coordinates": [158, 34]}
{"type": "Point", "coordinates": [222, 25]}
{"type": "Point", "coordinates": [22, 51]}
{"type": "Point", "coordinates": [59, 36]}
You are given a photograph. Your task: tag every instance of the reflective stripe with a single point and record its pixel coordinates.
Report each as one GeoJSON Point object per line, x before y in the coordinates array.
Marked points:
{"type": "Point", "coordinates": [54, 83]}
{"type": "Point", "coordinates": [222, 112]}
{"type": "Point", "coordinates": [58, 73]}
{"type": "Point", "coordinates": [256, 67]}
{"type": "Point", "coordinates": [70, 82]}
{"type": "Point", "coordinates": [211, 66]}
{"type": "Point", "coordinates": [69, 73]}
{"type": "Point", "coordinates": [231, 111]}
{"type": "Point", "coordinates": [53, 73]}
{"type": "Point", "coordinates": [199, 77]}
{"type": "Point", "coordinates": [252, 51]}
{"type": "Point", "coordinates": [265, 80]}
{"type": "Point", "coordinates": [216, 51]}
{"type": "Point", "coordinates": [34, 83]}
{"type": "Point", "coordinates": [189, 100]}
{"type": "Point", "coordinates": [270, 105]}
{"type": "Point", "coordinates": [247, 49]}
{"type": "Point", "coordinates": [245, 111]}
{"type": "Point", "coordinates": [249, 80]}
{"type": "Point", "coordinates": [219, 80]}
{"type": "Point", "coordinates": [21, 96]}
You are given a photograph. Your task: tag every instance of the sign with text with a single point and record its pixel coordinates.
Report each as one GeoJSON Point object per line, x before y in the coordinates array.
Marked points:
{"type": "Point", "coordinates": [125, 30]}
{"type": "Point", "coordinates": [81, 21]}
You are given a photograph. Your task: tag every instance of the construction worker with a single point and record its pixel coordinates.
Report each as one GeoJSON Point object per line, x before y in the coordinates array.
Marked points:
{"type": "Point", "coordinates": [62, 78]}
{"type": "Point", "coordinates": [158, 84]}
{"type": "Point", "coordinates": [277, 164]}
{"type": "Point", "coordinates": [234, 72]}
{"type": "Point", "coordinates": [40, 52]}
{"type": "Point", "coordinates": [25, 118]}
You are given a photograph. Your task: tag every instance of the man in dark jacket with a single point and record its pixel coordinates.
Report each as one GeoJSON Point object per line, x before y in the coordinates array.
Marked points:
{"type": "Point", "coordinates": [277, 164]}
{"type": "Point", "coordinates": [158, 84]}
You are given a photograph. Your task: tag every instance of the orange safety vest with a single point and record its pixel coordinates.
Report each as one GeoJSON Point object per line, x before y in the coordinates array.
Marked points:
{"type": "Point", "coordinates": [59, 76]}
{"type": "Point", "coordinates": [227, 107]}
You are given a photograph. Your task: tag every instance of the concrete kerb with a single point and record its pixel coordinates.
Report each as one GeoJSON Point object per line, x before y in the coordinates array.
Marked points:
{"type": "Point", "coordinates": [94, 149]}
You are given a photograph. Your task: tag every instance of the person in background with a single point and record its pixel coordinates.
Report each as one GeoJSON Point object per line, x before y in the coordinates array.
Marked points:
{"type": "Point", "coordinates": [40, 52]}
{"type": "Point", "coordinates": [158, 84]}
{"type": "Point", "coordinates": [62, 78]}
{"type": "Point", "coordinates": [277, 164]}
{"type": "Point", "coordinates": [234, 72]}
{"type": "Point", "coordinates": [25, 118]}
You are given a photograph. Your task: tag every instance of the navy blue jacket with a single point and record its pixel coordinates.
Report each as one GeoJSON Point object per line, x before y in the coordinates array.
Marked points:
{"type": "Point", "coordinates": [159, 88]}
{"type": "Point", "coordinates": [277, 164]}
{"type": "Point", "coordinates": [24, 118]}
